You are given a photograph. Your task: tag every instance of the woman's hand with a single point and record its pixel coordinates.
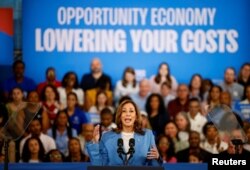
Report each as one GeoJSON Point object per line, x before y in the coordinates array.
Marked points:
{"type": "Point", "coordinates": [153, 153]}
{"type": "Point", "coordinates": [96, 134]}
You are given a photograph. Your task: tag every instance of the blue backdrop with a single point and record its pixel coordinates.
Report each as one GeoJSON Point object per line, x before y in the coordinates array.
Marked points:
{"type": "Point", "coordinates": [193, 36]}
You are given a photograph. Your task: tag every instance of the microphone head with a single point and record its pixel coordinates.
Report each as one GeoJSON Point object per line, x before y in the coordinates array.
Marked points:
{"type": "Point", "coordinates": [120, 142]}
{"type": "Point", "coordinates": [131, 142]}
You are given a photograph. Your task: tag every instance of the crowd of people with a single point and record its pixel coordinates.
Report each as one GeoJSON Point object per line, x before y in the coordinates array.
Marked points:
{"type": "Point", "coordinates": [176, 112]}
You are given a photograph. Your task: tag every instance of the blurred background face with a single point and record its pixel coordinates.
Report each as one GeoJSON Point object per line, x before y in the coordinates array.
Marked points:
{"type": "Point", "coordinates": [194, 107]}
{"type": "Point", "coordinates": [229, 76]}
{"type": "Point", "coordinates": [225, 98]}
{"type": "Point", "coordinates": [144, 88]}
{"type": "Point", "coordinates": [55, 156]}
{"type": "Point", "coordinates": [196, 82]}
{"type": "Point", "coordinates": [154, 103]}
{"type": "Point", "coordinates": [17, 95]}
{"type": "Point", "coordinates": [165, 90]}
{"type": "Point", "coordinates": [19, 70]}
{"type": "Point", "coordinates": [211, 133]}
{"type": "Point", "coordinates": [215, 93]}
{"type": "Point", "coordinates": [62, 119]}
{"type": "Point", "coordinates": [96, 66]}
{"type": "Point", "coordinates": [50, 94]}
{"type": "Point", "coordinates": [33, 97]}
{"type": "Point", "coordinates": [144, 121]}
{"type": "Point", "coordinates": [163, 144]}
{"type": "Point", "coordinates": [102, 99]}
{"type": "Point", "coordinates": [87, 131]}
{"type": "Point", "coordinates": [106, 119]}
{"type": "Point", "coordinates": [171, 130]}
{"type": "Point", "coordinates": [193, 159]}
{"type": "Point", "coordinates": [71, 101]}
{"type": "Point", "coordinates": [129, 77]}
{"type": "Point", "coordinates": [35, 127]}
{"type": "Point", "coordinates": [33, 146]}
{"type": "Point", "coordinates": [245, 72]}
{"type": "Point", "coordinates": [71, 79]}
{"type": "Point", "coordinates": [163, 70]}
{"type": "Point", "coordinates": [51, 75]}
{"type": "Point", "coordinates": [182, 92]}
{"type": "Point", "coordinates": [181, 122]}
{"type": "Point", "coordinates": [194, 140]}
{"type": "Point", "coordinates": [74, 146]}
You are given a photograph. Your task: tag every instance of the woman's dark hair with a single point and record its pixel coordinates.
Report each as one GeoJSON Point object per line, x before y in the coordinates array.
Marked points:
{"type": "Point", "coordinates": [43, 97]}
{"type": "Point", "coordinates": [65, 79]}
{"type": "Point", "coordinates": [54, 126]}
{"type": "Point", "coordinates": [3, 114]}
{"type": "Point", "coordinates": [158, 76]}
{"type": "Point", "coordinates": [16, 63]}
{"type": "Point", "coordinates": [26, 154]}
{"type": "Point", "coordinates": [83, 156]}
{"type": "Point", "coordinates": [97, 94]}
{"type": "Point", "coordinates": [190, 84]}
{"type": "Point", "coordinates": [239, 78]}
{"type": "Point", "coordinates": [171, 149]}
{"type": "Point", "coordinates": [210, 90]}
{"type": "Point", "coordinates": [137, 125]}
{"type": "Point", "coordinates": [73, 94]}
{"type": "Point", "coordinates": [206, 126]}
{"type": "Point", "coordinates": [47, 156]}
{"type": "Point", "coordinates": [161, 109]}
{"type": "Point", "coordinates": [128, 70]}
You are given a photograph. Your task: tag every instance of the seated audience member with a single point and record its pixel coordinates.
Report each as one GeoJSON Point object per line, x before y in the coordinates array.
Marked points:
{"type": "Point", "coordinates": [70, 84]}
{"type": "Point", "coordinates": [33, 97]}
{"type": "Point", "coordinates": [244, 75]}
{"type": "Point", "coordinates": [213, 142]}
{"type": "Point", "coordinates": [75, 152]}
{"type": "Point", "coordinates": [194, 147]}
{"type": "Point", "coordinates": [86, 135]}
{"type": "Point", "coordinates": [35, 130]}
{"type": "Point", "coordinates": [235, 89]}
{"type": "Point", "coordinates": [50, 101]}
{"type": "Point", "coordinates": [197, 120]}
{"type": "Point", "coordinates": [107, 123]}
{"type": "Point", "coordinates": [166, 149]}
{"type": "Point", "coordinates": [140, 98]}
{"type": "Point", "coordinates": [246, 146]}
{"type": "Point", "coordinates": [195, 157]}
{"type": "Point", "coordinates": [145, 121]}
{"type": "Point", "coordinates": [157, 114]}
{"type": "Point", "coordinates": [226, 99]}
{"type": "Point", "coordinates": [127, 85]}
{"type": "Point", "coordinates": [165, 93]}
{"type": "Point", "coordinates": [54, 155]}
{"type": "Point", "coordinates": [180, 103]}
{"type": "Point", "coordinates": [163, 75]}
{"type": "Point", "coordinates": [18, 80]}
{"type": "Point", "coordinates": [33, 150]}
{"type": "Point", "coordinates": [101, 103]}
{"type": "Point", "coordinates": [50, 79]}
{"type": "Point", "coordinates": [96, 78]}
{"type": "Point", "coordinates": [195, 87]}
{"type": "Point", "coordinates": [247, 94]}
{"type": "Point", "coordinates": [91, 99]}
{"type": "Point", "coordinates": [213, 99]}
{"type": "Point", "coordinates": [16, 100]}
{"type": "Point", "coordinates": [61, 132]}
{"type": "Point", "coordinates": [205, 87]}
{"type": "Point", "coordinates": [77, 117]}
{"type": "Point", "coordinates": [183, 125]}
{"type": "Point", "coordinates": [171, 130]}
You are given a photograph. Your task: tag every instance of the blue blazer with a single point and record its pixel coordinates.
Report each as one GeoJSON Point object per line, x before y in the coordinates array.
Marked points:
{"type": "Point", "coordinates": [105, 152]}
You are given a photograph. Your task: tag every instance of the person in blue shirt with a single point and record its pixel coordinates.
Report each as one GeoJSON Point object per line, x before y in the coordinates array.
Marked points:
{"type": "Point", "coordinates": [18, 80]}
{"type": "Point", "coordinates": [77, 117]}
{"type": "Point", "coordinates": [128, 144]}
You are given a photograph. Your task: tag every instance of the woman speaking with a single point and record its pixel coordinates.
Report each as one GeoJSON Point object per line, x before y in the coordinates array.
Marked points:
{"type": "Point", "coordinates": [129, 144]}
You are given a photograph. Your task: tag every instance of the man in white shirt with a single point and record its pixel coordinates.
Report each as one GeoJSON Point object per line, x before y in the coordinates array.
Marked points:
{"type": "Point", "coordinates": [35, 129]}
{"type": "Point", "coordinates": [197, 120]}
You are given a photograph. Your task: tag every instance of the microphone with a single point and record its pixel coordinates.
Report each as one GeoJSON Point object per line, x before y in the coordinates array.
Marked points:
{"type": "Point", "coordinates": [120, 150]}
{"type": "Point", "coordinates": [131, 150]}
